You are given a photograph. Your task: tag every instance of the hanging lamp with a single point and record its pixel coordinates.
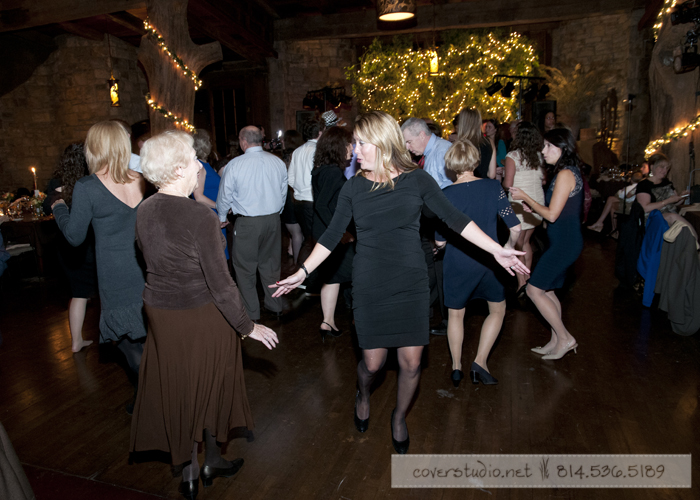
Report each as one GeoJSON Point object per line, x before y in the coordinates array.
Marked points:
{"type": "Point", "coordinates": [112, 82]}
{"type": "Point", "coordinates": [395, 10]}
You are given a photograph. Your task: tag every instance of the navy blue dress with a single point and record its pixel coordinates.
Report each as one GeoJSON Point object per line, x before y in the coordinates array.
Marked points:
{"type": "Point", "coordinates": [469, 272]}
{"type": "Point", "coordinates": [211, 191]}
{"type": "Point", "coordinates": [565, 239]}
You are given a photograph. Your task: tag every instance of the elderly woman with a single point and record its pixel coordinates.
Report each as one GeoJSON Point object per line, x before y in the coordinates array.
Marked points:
{"type": "Point", "coordinates": [107, 199]}
{"type": "Point", "coordinates": [469, 274]}
{"type": "Point", "coordinates": [390, 276]}
{"type": "Point", "coordinates": [191, 382]}
{"type": "Point", "coordinates": [562, 211]}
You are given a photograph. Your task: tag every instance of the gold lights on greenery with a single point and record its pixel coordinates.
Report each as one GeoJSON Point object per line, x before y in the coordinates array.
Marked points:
{"type": "Point", "coordinates": [673, 135]}
{"type": "Point", "coordinates": [396, 78]}
{"type": "Point", "coordinates": [160, 109]}
{"type": "Point", "coordinates": [160, 41]}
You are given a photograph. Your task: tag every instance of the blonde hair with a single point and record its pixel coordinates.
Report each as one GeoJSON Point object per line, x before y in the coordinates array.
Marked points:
{"type": "Point", "coordinates": [162, 154]}
{"type": "Point", "coordinates": [469, 126]}
{"type": "Point", "coordinates": [107, 145]}
{"type": "Point", "coordinates": [381, 130]}
{"type": "Point", "coordinates": [463, 156]}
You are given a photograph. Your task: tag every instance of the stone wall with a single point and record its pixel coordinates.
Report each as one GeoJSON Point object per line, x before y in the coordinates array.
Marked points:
{"type": "Point", "coordinates": [612, 42]}
{"type": "Point", "coordinates": [303, 66]}
{"type": "Point", "coordinates": [60, 101]}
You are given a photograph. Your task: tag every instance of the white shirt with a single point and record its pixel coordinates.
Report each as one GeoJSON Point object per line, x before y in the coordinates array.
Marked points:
{"type": "Point", "coordinates": [252, 184]}
{"type": "Point", "coordinates": [135, 163]}
{"type": "Point", "coordinates": [300, 171]}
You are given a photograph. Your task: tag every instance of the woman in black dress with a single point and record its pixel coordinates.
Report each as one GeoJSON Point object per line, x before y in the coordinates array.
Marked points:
{"type": "Point", "coordinates": [469, 128]}
{"type": "Point", "coordinates": [564, 201]}
{"type": "Point", "coordinates": [390, 277]}
{"type": "Point", "coordinates": [77, 262]}
{"type": "Point", "coordinates": [333, 152]}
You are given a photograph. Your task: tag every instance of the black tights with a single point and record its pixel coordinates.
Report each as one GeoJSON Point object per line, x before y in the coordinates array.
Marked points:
{"type": "Point", "coordinates": [409, 375]}
{"type": "Point", "coordinates": [132, 350]}
{"type": "Point", "coordinates": [212, 457]}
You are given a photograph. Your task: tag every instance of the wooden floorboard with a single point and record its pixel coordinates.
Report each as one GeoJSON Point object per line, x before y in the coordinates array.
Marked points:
{"type": "Point", "coordinates": [632, 388]}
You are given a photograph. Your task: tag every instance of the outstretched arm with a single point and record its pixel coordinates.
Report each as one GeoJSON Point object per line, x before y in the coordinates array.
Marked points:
{"type": "Point", "coordinates": [318, 255]}
{"type": "Point", "coordinates": [506, 257]}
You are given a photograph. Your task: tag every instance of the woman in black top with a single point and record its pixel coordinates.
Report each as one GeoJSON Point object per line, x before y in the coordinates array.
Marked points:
{"type": "Point", "coordinates": [333, 151]}
{"type": "Point", "coordinates": [657, 192]}
{"type": "Point", "coordinates": [469, 128]}
{"type": "Point", "coordinates": [390, 276]}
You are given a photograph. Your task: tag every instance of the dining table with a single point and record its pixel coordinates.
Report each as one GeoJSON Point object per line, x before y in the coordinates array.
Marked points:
{"type": "Point", "coordinates": [40, 232]}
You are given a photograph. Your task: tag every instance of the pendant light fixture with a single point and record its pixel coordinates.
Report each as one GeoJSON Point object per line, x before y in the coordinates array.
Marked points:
{"type": "Point", "coordinates": [395, 10]}
{"type": "Point", "coordinates": [434, 61]}
{"type": "Point", "coordinates": [112, 82]}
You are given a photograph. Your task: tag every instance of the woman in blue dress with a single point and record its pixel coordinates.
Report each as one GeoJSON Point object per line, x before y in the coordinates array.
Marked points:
{"type": "Point", "coordinates": [208, 179]}
{"type": "Point", "coordinates": [469, 271]}
{"type": "Point", "coordinates": [562, 211]}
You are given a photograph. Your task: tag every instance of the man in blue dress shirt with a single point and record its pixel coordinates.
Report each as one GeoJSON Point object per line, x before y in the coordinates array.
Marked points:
{"type": "Point", "coordinates": [254, 187]}
{"type": "Point", "coordinates": [421, 141]}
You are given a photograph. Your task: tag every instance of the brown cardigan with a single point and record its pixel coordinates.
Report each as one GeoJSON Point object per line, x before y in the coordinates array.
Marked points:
{"type": "Point", "coordinates": [183, 248]}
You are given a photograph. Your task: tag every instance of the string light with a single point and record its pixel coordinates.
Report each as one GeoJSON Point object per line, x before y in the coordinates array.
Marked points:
{"type": "Point", "coordinates": [160, 41]}
{"type": "Point", "coordinates": [180, 121]}
{"type": "Point", "coordinates": [666, 9]}
{"type": "Point", "coordinates": [397, 80]}
{"type": "Point", "coordinates": [673, 135]}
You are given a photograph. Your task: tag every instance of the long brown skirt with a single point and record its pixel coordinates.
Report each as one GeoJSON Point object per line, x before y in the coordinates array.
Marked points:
{"type": "Point", "coordinates": [191, 379]}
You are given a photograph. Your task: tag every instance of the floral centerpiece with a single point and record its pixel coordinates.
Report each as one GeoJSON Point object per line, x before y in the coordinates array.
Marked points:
{"type": "Point", "coordinates": [37, 202]}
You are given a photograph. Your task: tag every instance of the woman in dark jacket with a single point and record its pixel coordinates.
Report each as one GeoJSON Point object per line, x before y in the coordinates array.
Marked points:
{"type": "Point", "coordinates": [333, 151]}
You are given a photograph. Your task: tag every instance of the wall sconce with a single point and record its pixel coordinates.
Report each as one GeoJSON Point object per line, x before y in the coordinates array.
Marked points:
{"type": "Point", "coordinates": [395, 10]}
{"type": "Point", "coordinates": [114, 91]}
{"type": "Point", "coordinates": [434, 63]}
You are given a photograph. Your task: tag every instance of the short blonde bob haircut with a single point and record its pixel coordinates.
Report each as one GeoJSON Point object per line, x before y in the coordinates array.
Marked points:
{"type": "Point", "coordinates": [462, 157]}
{"type": "Point", "coordinates": [381, 130]}
{"type": "Point", "coordinates": [107, 145]}
{"type": "Point", "coordinates": [162, 154]}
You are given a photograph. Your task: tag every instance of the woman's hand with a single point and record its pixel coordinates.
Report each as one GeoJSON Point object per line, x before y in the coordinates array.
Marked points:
{"type": "Point", "coordinates": [527, 208]}
{"type": "Point", "coordinates": [508, 259]}
{"type": "Point", "coordinates": [53, 205]}
{"type": "Point", "coordinates": [286, 286]}
{"type": "Point", "coordinates": [517, 193]}
{"type": "Point", "coordinates": [347, 238]}
{"type": "Point", "coordinates": [264, 335]}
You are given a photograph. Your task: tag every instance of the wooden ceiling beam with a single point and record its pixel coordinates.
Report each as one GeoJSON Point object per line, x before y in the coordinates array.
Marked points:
{"type": "Point", "coordinates": [22, 14]}
{"type": "Point", "coordinates": [473, 14]}
{"type": "Point", "coordinates": [235, 25]}
{"type": "Point", "coordinates": [130, 22]}
{"type": "Point", "coordinates": [82, 31]}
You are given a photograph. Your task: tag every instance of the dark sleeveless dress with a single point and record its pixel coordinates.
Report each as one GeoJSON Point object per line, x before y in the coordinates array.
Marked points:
{"type": "Point", "coordinates": [565, 238]}
{"type": "Point", "coordinates": [390, 277]}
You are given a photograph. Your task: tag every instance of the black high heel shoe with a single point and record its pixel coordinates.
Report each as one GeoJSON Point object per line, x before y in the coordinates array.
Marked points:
{"type": "Point", "coordinates": [457, 376]}
{"type": "Point", "coordinates": [401, 447]}
{"type": "Point", "coordinates": [477, 374]}
{"type": "Point", "coordinates": [189, 489]}
{"type": "Point", "coordinates": [209, 473]}
{"type": "Point", "coordinates": [331, 332]}
{"type": "Point", "coordinates": [360, 425]}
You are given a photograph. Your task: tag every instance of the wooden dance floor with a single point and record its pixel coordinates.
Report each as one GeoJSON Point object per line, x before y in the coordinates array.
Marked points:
{"type": "Point", "coordinates": [631, 389]}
